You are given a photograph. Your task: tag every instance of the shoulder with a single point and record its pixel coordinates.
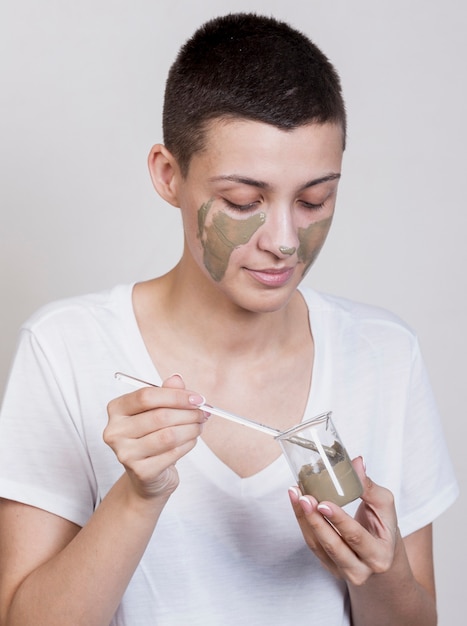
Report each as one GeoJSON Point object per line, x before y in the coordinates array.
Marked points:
{"type": "Point", "coordinates": [89, 306]}
{"type": "Point", "coordinates": [351, 309]}
{"type": "Point", "coordinates": [89, 318]}
{"type": "Point", "coordinates": [366, 321]}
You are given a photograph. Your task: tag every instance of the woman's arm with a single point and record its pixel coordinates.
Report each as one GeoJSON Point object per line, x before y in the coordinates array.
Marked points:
{"type": "Point", "coordinates": [54, 573]}
{"type": "Point", "coordinates": [390, 580]}
{"type": "Point", "coordinates": [406, 593]}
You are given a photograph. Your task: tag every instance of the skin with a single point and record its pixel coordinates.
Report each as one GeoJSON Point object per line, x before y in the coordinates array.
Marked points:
{"type": "Point", "coordinates": [223, 236]}
{"type": "Point", "coordinates": [297, 218]}
{"type": "Point", "coordinates": [226, 233]}
{"type": "Point", "coordinates": [312, 240]}
{"type": "Point", "coordinates": [369, 553]}
{"type": "Point", "coordinates": [54, 573]}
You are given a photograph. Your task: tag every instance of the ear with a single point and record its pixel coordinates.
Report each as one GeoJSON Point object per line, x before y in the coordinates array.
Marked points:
{"type": "Point", "coordinates": [165, 173]}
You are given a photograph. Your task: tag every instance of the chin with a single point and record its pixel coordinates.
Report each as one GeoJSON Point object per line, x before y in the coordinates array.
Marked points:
{"type": "Point", "coordinates": [266, 301]}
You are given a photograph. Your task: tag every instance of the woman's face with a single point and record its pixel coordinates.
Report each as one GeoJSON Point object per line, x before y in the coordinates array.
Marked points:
{"type": "Point", "coordinates": [257, 204]}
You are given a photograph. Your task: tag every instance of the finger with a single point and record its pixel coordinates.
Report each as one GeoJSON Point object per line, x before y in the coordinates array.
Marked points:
{"type": "Point", "coordinates": [333, 548]}
{"type": "Point", "coordinates": [163, 422]}
{"type": "Point", "coordinates": [175, 382]}
{"type": "Point", "coordinates": [158, 442]}
{"type": "Point", "coordinates": [148, 398]}
{"type": "Point", "coordinates": [371, 534]}
{"type": "Point", "coordinates": [378, 512]}
{"type": "Point", "coordinates": [303, 511]}
{"type": "Point", "coordinates": [372, 493]}
{"type": "Point", "coordinates": [151, 410]}
{"type": "Point", "coordinates": [374, 550]}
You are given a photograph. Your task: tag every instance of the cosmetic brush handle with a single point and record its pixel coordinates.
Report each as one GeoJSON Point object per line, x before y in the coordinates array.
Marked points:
{"type": "Point", "coordinates": [240, 420]}
{"type": "Point", "coordinates": [137, 382]}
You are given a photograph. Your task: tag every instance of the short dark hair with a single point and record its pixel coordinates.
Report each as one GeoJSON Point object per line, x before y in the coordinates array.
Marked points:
{"type": "Point", "coordinates": [243, 65]}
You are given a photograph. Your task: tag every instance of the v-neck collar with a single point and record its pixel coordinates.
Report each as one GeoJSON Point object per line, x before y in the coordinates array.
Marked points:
{"type": "Point", "coordinates": [202, 456]}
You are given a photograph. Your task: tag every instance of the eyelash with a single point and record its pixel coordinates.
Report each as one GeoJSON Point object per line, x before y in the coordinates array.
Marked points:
{"type": "Point", "coordinates": [313, 207]}
{"type": "Point", "coordinates": [246, 207]}
{"type": "Point", "coordinates": [239, 207]}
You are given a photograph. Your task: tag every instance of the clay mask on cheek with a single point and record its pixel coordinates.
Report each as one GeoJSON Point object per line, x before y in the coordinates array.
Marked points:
{"type": "Point", "coordinates": [311, 240]}
{"type": "Point", "coordinates": [222, 236]}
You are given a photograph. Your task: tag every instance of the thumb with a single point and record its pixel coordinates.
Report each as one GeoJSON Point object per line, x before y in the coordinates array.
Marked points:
{"type": "Point", "coordinates": [373, 494]}
{"type": "Point", "coordinates": [174, 382]}
{"type": "Point", "coordinates": [367, 483]}
{"type": "Point", "coordinates": [360, 468]}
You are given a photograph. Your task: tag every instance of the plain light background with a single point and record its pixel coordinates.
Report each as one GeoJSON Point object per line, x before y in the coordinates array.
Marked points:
{"type": "Point", "coordinates": [81, 89]}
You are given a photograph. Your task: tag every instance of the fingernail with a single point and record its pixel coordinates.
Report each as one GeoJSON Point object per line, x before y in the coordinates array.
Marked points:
{"type": "Point", "coordinates": [178, 375]}
{"type": "Point", "coordinates": [306, 504]}
{"type": "Point", "coordinates": [324, 509]}
{"type": "Point", "coordinates": [295, 492]}
{"type": "Point", "coordinates": [363, 463]}
{"type": "Point", "coordinates": [197, 399]}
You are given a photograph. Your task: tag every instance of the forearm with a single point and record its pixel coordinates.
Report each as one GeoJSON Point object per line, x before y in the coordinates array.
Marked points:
{"type": "Point", "coordinates": [394, 597]}
{"type": "Point", "coordinates": [83, 584]}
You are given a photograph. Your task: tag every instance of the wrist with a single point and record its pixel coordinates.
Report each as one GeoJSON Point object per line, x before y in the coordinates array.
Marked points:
{"type": "Point", "coordinates": [145, 503]}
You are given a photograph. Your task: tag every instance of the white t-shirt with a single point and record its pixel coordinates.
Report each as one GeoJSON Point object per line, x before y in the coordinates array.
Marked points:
{"type": "Point", "coordinates": [227, 550]}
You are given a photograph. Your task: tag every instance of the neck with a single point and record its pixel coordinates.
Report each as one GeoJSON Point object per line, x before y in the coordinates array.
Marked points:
{"type": "Point", "coordinates": [218, 347]}
{"type": "Point", "coordinates": [204, 319]}
{"type": "Point", "coordinates": [208, 314]}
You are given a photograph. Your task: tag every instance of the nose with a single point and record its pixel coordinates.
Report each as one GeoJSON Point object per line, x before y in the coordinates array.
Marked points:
{"type": "Point", "coordinates": [286, 250]}
{"type": "Point", "coordinates": [278, 234]}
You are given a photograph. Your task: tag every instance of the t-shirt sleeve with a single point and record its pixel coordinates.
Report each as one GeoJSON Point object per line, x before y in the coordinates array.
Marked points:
{"type": "Point", "coordinates": [43, 456]}
{"type": "Point", "coordinates": [429, 485]}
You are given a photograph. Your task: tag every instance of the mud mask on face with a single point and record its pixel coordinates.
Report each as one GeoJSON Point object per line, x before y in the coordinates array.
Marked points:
{"type": "Point", "coordinates": [311, 240]}
{"type": "Point", "coordinates": [222, 236]}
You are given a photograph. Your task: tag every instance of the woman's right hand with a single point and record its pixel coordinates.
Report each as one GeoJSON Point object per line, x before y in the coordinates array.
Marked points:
{"type": "Point", "coordinates": [150, 429]}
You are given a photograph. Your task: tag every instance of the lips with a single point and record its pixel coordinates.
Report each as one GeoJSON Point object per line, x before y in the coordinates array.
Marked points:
{"type": "Point", "coordinates": [274, 277]}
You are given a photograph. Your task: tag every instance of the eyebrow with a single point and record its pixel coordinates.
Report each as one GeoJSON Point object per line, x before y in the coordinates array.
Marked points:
{"type": "Point", "coordinates": [244, 180]}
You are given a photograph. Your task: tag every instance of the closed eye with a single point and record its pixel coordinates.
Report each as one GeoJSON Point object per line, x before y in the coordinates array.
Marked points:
{"type": "Point", "coordinates": [240, 207]}
{"type": "Point", "coordinates": [311, 206]}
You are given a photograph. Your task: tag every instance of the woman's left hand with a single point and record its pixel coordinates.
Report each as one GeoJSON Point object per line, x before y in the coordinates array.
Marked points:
{"type": "Point", "coordinates": [353, 549]}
